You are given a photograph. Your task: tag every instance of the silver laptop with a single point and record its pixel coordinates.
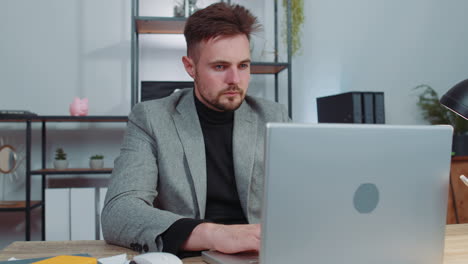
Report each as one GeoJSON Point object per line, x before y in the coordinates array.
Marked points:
{"type": "Point", "coordinates": [358, 194]}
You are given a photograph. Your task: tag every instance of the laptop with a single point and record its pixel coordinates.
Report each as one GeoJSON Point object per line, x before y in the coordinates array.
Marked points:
{"type": "Point", "coordinates": [358, 194]}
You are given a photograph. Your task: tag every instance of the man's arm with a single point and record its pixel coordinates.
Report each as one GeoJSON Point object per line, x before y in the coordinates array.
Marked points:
{"type": "Point", "coordinates": [224, 238]}
{"type": "Point", "coordinates": [129, 218]}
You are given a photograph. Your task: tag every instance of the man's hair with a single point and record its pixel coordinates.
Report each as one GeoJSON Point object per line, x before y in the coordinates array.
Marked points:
{"type": "Point", "coordinates": [219, 19]}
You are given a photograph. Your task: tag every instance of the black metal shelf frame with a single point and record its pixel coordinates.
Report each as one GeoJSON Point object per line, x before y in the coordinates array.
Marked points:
{"type": "Point", "coordinates": [44, 171]}
{"type": "Point", "coordinates": [173, 25]}
{"type": "Point", "coordinates": [70, 171]}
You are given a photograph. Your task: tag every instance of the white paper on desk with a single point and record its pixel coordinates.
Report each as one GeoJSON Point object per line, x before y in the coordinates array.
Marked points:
{"type": "Point", "coordinates": [117, 259]}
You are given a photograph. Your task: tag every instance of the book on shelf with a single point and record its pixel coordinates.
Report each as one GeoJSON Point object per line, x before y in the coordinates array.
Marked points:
{"type": "Point", "coordinates": [16, 113]}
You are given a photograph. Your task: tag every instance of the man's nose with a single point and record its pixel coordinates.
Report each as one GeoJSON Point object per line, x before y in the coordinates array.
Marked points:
{"type": "Point", "coordinates": [233, 76]}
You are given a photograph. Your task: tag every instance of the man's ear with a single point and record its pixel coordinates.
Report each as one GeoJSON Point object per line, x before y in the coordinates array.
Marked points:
{"type": "Point", "coordinates": [189, 66]}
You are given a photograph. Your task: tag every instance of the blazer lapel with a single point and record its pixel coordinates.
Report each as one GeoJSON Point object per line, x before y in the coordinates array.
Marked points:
{"type": "Point", "coordinates": [191, 136]}
{"type": "Point", "coordinates": [244, 145]}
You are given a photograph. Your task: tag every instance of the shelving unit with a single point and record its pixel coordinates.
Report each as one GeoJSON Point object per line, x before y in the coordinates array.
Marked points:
{"type": "Point", "coordinates": [175, 25]}
{"type": "Point", "coordinates": [28, 205]}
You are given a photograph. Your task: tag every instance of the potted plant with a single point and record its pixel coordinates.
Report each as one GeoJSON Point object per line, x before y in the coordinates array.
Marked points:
{"type": "Point", "coordinates": [60, 161]}
{"type": "Point", "coordinates": [96, 162]}
{"type": "Point", "coordinates": [437, 114]}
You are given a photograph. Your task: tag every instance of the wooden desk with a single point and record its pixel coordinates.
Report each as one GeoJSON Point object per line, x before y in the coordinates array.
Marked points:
{"type": "Point", "coordinates": [457, 212]}
{"type": "Point", "coordinates": [95, 248]}
{"type": "Point", "coordinates": [456, 248]}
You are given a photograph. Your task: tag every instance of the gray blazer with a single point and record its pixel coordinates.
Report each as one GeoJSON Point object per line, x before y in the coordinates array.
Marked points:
{"type": "Point", "coordinates": [160, 175]}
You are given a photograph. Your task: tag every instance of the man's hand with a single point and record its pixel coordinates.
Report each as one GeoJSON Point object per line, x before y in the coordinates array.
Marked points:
{"type": "Point", "coordinates": [224, 238]}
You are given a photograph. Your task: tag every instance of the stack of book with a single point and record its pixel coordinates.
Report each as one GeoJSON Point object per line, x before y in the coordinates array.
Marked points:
{"type": "Point", "coordinates": [16, 113]}
{"type": "Point", "coordinates": [352, 107]}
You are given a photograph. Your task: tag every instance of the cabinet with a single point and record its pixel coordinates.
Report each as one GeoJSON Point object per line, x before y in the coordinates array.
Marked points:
{"type": "Point", "coordinates": [27, 205]}
{"type": "Point", "coordinates": [458, 194]}
{"type": "Point", "coordinates": [175, 25]}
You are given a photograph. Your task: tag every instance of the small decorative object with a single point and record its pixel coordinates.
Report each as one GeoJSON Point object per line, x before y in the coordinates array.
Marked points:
{"type": "Point", "coordinates": [96, 162]}
{"type": "Point", "coordinates": [60, 161]}
{"type": "Point", "coordinates": [179, 9]}
{"type": "Point", "coordinates": [79, 107]}
{"type": "Point", "coordinates": [192, 6]}
{"type": "Point", "coordinates": [12, 156]}
{"type": "Point", "coordinates": [185, 8]}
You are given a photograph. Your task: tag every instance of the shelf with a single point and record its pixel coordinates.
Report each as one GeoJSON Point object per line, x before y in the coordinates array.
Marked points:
{"type": "Point", "coordinates": [160, 25]}
{"type": "Point", "coordinates": [460, 158]}
{"type": "Point", "coordinates": [267, 67]}
{"type": "Point", "coordinates": [72, 171]}
{"type": "Point", "coordinates": [176, 25]}
{"type": "Point", "coordinates": [80, 119]}
{"type": "Point", "coordinates": [16, 117]}
{"type": "Point", "coordinates": [15, 206]}
{"type": "Point", "coordinates": [66, 119]}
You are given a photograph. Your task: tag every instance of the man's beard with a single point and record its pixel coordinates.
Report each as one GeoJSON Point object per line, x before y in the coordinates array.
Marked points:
{"type": "Point", "coordinates": [231, 105]}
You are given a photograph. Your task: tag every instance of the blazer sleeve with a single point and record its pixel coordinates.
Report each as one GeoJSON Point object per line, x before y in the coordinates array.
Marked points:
{"type": "Point", "coordinates": [129, 218]}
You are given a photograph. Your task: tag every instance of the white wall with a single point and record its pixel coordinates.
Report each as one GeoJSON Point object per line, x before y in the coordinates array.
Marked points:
{"type": "Point", "coordinates": [53, 50]}
{"type": "Point", "coordinates": [379, 45]}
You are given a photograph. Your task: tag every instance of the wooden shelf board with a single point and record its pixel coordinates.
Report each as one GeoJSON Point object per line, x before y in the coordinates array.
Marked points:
{"type": "Point", "coordinates": [17, 204]}
{"type": "Point", "coordinates": [13, 119]}
{"type": "Point", "coordinates": [160, 25]}
{"type": "Point", "coordinates": [267, 68]}
{"type": "Point", "coordinates": [460, 158]}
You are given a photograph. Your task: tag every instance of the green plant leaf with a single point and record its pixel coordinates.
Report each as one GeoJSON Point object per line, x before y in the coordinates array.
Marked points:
{"type": "Point", "coordinates": [297, 17]}
{"type": "Point", "coordinates": [60, 154]}
{"type": "Point", "coordinates": [97, 157]}
{"type": "Point", "coordinates": [435, 113]}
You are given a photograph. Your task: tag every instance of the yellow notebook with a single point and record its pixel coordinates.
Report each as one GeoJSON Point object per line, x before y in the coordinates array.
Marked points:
{"type": "Point", "coordinates": [68, 260]}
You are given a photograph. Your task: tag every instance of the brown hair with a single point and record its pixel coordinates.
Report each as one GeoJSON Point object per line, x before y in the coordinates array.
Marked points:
{"type": "Point", "coordinates": [219, 19]}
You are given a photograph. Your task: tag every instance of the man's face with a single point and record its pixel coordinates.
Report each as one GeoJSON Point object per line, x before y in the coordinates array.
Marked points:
{"type": "Point", "coordinates": [221, 71]}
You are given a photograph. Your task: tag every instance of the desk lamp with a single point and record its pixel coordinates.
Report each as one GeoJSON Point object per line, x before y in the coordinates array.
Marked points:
{"type": "Point", "coordinates": [456, 100]}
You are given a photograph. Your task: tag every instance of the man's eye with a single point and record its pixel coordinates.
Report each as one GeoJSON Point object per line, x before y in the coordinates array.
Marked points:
{"type": "Point", "coordinates": [244, 66]}
{"type": "Point", "coordinates": [219, 67]}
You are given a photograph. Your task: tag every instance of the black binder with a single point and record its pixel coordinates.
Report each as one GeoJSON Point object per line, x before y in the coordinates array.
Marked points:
{"type": "Point", "coordinates": [340, 108]}
{"type": "Point", "coordinates": [379, 108]}
{"type": "Point", "coordinates": [352, 107]}
{"type": "Point", "coordinates": [368, 107]}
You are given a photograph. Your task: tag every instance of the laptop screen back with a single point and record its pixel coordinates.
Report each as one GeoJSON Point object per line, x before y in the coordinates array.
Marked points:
{"type": "Point", "coordinates": [355, 193]}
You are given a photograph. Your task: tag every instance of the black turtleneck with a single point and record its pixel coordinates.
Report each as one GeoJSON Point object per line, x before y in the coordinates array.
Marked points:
{"type": "Point", "coordinates": [222, 203]}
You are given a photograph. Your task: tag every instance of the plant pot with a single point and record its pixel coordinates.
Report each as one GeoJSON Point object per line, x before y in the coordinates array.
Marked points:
{"type": "Point", "coordinates": [96, 164]}
{"type": "Point", "coordinates": [60, 164]}
{"type": "Point", "coordinates": [460, 145]}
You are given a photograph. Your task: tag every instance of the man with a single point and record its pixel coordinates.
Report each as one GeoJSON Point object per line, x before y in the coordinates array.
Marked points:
{"type": "Point", "coordinates": [190, 173]}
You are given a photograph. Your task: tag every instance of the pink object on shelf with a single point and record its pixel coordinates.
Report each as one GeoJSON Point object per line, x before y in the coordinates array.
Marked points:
{"type": "Point", "coordinates": [79, 107]}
